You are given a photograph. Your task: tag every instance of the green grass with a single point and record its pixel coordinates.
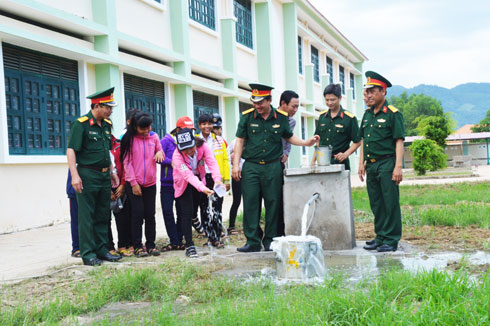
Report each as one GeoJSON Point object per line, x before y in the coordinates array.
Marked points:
{"type": "Point", "coordinates": [396, 298]}
{"type": "Point", "coordinates": [458, 204]}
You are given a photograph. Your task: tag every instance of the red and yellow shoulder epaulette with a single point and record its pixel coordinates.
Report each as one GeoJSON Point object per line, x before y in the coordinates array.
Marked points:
{"type": "Point", "coordinates": [108, 121]}
{"type": "Point", "coordinates": [83, 119]}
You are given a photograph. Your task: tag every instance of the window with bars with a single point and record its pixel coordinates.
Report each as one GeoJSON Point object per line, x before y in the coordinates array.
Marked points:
{"type": "Point", "coordinates": [330, 70]}
{"type": "Point", "coordinates": [243, 14]}
{"type": "Point", "coordinates": [342, 79]}
{"type": "Point", "coordinates": [300, 54]}
{"type": "Point", "coordinates": [42, 96]}
{"type": "Point", "coordinates": [204, 103]}
{"type": "Point", "coordinates": [316, 64]}
{"type": "Point", "coordinates": [352, 85]}
{"type": "Point", "coordinates": [202, 11]}
{"type": "Point", "coordinates": [148, 96]}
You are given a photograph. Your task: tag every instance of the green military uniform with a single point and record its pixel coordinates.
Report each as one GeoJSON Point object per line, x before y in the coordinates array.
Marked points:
{"type": "Point", "coordinates": [262, 172]}
{"type": "Point", "coordinates": [92, 144]}
{"type": "Point", "coordinates": [380, 132]}
{"type": "Point", "coordinates": [338, 132]}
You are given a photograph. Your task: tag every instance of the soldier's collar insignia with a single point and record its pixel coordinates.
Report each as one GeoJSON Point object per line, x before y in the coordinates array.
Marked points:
{"type": "Point", "coordinates": [91, 122]}
{"type": "Point", "coordinates": [385, 109]}
{"type": "Point", "coordinates": [341, 115]}
{"type": "Point", "coordinates": [276, 126]}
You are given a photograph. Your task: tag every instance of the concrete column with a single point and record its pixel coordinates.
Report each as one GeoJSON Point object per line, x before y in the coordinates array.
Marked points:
{"type": "Point", "coordinates": [294, 160]}
{"type": "Point", "coordinates": [228, 43]}
{"type": "Point", "coordinates": [264, 48]}
{"type": "Point", "coordinates": [232, 116]}
{"type": "Point", "coordinates": [310, 129]}
{"type": "Point", "coordinates": [179, 16]}
{"type": "Point", "coordinates": [108, 75]}
{"type": "Point", "coordinates": [183, 101]}
{"type": "Point", "coordinates": [348, 95]}
{"type": "Point", "coordinates": [104, 12]}
{"type": "Point", "coordinates": [290, 19]}
{"type": "Point", "coordinates": [359, 92]}
{"type": "Point", "coordinates": [325, 80]}
{"type": "Point", "coordinates": [309, 84]}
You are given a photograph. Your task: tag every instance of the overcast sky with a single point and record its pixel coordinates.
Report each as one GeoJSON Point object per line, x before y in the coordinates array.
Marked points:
{"type": "Point", "coordinates": [412, 42]}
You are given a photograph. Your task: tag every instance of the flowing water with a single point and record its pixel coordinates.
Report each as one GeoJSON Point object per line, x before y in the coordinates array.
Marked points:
{"type": "Point", "coordinates": [300, 257]}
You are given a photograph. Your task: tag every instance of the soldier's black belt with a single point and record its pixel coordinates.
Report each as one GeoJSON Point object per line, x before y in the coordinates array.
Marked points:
{"type": "Point", "coordinates": [374, 160]}
{"type": "Point", "coordinates": [262, 162]}
{"type": "Point", "coordinates": [96, 168]}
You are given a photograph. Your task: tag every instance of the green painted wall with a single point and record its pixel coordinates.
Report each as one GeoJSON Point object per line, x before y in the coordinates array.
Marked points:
{"type": "Point", "coordinates": [309, 83]}
{"type": "Point", "coordinates": [228, 44]}
{"type": "Point", "coordinates": [183, 101]}
{"type": "Point", "coordinates": [108, 75]}
{"type": "Point", "coordinates": [232, 116]}
{"type": "Point", "coordinates": [264, 49]}
{"type": "Point", "coordinates": [290, 22]}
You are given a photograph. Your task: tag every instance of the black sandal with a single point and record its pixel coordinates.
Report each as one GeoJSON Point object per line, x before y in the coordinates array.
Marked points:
{"type": "Point", "coordinates": [218, 244]}
{"type": "Point", "coordinates": [232, 231]}
{"type": "Point", "coordinates": [169, 247]}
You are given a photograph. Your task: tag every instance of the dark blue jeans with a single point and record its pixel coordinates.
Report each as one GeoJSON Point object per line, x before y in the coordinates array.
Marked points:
{"type": "Point", "coordinates": [174, 230]}
{"type": "Point", "coordinates": [74, 224]}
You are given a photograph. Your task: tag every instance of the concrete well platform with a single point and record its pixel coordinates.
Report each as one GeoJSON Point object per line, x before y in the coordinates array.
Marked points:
{"type": "Point", "coordinates": [333, 221]}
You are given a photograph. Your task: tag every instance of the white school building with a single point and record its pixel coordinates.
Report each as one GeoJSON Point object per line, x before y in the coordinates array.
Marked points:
{"type": "Point", "coordinates": [167, 57]}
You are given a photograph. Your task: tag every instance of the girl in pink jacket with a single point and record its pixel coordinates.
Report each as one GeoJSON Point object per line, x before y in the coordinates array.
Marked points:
{"type": "Point", "coordinates": [140, 150]}
{"type": "Point", "coordinates": [188, 171]}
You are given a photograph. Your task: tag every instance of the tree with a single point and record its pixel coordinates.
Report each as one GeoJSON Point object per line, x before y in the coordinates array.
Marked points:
{"type": "Point", "coordinates": [435, 128]}
{"type": "Point", "coordinates": [484, 125]}
{"type": "Point", "coordinates": [427, 156]}
{"type": "Point", "coordinates": [415, 108]}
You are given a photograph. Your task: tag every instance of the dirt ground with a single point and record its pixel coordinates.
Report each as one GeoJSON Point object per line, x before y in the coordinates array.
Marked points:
{"type": "Point", "coordinates": [436, 238]}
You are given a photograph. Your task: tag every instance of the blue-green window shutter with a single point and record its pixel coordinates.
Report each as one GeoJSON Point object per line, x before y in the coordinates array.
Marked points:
{"type": "Point", "coordinates": [315, 62]}
{"type": "Point", "coordinates": [202, 11]}
{"type": "Point", "coordinates": [37, 122]}
{"type": "Point", "coordinates": [243, 14]}
{"type": "Point", "coordinates": [330, 69]}
{"type": "Point", "coordinates": [300, 54]}
{"type": "Point", "coordinates": [242, 106]}
{"type": "Point", "coordinates": [342, 78]}
{"type": "Point", "coordinates": [148, 96]}
{"type": "Point", "coordinates": [352, 85]}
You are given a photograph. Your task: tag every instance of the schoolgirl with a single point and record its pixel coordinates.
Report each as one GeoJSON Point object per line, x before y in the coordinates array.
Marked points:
{"type": "Point", "coordinates": [189, 173]}
{"type": "Point", "coordinates": [140, 150]}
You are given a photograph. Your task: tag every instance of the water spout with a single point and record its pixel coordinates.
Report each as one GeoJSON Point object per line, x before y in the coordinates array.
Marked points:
{"type": "Point", "coordinates": [304, 219]}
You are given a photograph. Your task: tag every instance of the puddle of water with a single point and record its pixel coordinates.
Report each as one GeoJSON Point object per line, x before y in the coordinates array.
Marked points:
{"type": "Point", "coordinates": [356, 264]}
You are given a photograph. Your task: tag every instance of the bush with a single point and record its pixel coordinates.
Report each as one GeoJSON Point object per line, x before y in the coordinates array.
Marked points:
{"type": "Point", "coordinates": [427, 156]}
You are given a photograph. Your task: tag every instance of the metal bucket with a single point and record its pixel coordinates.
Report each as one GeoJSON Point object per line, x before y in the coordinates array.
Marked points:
{"type": "Point", "coordinates": [298, 258]}
{"type": "Point", "coordinates": [323, 155]}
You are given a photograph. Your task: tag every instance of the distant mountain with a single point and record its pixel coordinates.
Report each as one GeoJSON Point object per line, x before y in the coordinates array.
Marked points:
{"type": "Point", "coordinates": [468, 102]}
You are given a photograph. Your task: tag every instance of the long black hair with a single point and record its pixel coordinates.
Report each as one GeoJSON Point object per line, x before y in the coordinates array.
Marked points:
{"type": "Point", "coordinates": [138, 119]}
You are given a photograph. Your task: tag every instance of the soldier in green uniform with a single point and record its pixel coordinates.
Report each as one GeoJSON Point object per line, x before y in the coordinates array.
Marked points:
{"type": "Point", "coordinates": [92, 173]}
{"type": "Point", "coordinates": [338, 127]}
{"type": "Point", "coordinates": [382, 131]}
{"type": "Point", "coordinates": [262, 128]}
